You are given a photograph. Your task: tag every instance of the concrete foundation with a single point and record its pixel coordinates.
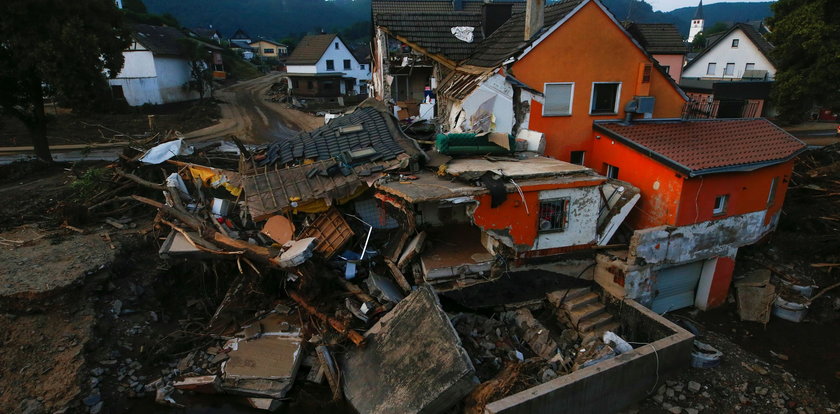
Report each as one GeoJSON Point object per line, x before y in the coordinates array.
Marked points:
{"type": "Point", "coordinates": [614, 384]}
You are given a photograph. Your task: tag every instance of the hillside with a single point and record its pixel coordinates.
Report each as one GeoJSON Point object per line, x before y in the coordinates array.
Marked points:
{"type": "Point", "coordinates": [273, 19]}
{"type": "Point", "coordinates": [281, 18]}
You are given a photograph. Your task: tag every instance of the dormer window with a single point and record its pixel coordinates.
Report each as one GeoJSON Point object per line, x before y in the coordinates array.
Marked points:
{"type": "Point", "coordinates": [735, 42]}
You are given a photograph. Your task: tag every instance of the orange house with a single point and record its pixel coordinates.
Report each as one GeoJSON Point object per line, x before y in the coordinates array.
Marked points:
{"type": "Point", "coordinates": [708, 187]}
{"type": "Point", "coordinates": [588, 68]}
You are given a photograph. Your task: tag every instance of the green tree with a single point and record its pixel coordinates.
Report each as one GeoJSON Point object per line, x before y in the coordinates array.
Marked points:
{"type": "Point", "coordinates": [201, 76]}
{"type": "Point", "coordinates": [806, 36]}
{"type": "Point", "coordinates": [56, 45]}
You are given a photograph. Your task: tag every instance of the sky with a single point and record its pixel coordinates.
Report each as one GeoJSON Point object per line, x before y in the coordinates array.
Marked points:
{"type": "Point", "coordinates": [668, 5]}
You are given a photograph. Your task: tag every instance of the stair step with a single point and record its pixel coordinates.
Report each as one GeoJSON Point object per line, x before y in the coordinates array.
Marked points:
{"type": "Point", "coordinates": [584, 312]}
{"type": "Point", "coordinates": [580, 301]}
{"type": "Point", "coordinates": [594, 322]}
{"type": "Point", "coordinates": [598, 333]}
{"type": "Point", "coordinates": [557, 297]}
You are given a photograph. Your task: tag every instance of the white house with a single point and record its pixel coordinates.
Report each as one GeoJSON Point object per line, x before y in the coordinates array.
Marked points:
{"type": "Point", "coordinates": [323, 66]}
{"type": "Point", "coordinates": [740, 53]}
{"type": "Point", "coordinates": [155, 69]}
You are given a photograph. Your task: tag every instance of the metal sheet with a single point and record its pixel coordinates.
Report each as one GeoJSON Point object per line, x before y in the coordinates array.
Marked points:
{"type": "Point", "coordinates": [675, 287]}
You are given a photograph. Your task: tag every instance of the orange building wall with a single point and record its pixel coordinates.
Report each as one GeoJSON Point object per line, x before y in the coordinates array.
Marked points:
{"type": "Point", "coordinates": [748, 192]}
{"type": "Point", "coordinates": [588, 48]}
{"type": "Point", "coordinates": [512, 215]}
{"type": "Point", "coordinates": [656, 207]}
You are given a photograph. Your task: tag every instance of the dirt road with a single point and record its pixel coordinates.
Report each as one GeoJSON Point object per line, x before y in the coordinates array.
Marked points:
{"type": "Point", "coordinates": [247, 115]}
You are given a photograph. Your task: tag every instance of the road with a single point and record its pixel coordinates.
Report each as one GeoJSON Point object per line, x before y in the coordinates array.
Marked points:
{"type": "Point", "coordinates": [250, 117]}
{"type": "Point", "coordinates": [245, 114]}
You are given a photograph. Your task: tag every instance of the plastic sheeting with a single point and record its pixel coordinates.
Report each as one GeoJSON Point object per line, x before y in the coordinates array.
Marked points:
{"type": "Point", "coordinates": [165, 151]}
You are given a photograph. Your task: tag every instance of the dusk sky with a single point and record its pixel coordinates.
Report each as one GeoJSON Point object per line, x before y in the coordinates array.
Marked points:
{"type": "Point", "coordinates": [668, 5]}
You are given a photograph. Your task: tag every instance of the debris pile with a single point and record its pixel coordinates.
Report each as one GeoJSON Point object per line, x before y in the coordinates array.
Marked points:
{"type": "Point", "coordinates": [340, 272]}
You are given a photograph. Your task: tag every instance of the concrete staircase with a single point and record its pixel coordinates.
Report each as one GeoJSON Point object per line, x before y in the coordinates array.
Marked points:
{"type": "Point", "coordinates": [582, 309]}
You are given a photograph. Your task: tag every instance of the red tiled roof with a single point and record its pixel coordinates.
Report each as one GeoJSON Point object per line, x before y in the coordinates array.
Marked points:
{"type": "Point", "coordinates": [699, 147]}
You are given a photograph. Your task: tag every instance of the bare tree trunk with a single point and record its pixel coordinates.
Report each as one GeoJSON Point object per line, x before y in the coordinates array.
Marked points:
{"type": "Point", "coordinates": [38, 124]}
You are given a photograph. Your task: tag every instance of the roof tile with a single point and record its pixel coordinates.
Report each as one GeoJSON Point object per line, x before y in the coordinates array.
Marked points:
{"type": "Point", "coordinates": [697, 146]}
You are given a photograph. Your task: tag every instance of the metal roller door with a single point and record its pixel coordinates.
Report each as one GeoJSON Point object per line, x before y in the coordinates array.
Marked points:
{"type": "Point", "coordinates": [675, 287]}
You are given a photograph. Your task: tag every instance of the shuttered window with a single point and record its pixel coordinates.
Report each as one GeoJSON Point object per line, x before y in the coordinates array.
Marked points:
{"type": "Point", "coordinates": [558, 99]}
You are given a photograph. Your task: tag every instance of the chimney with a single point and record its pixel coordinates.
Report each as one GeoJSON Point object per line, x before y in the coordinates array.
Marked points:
{"type": "Point", "coordinates": [534, 17]}
{"type": "Point", "coordinates": [495, 15]}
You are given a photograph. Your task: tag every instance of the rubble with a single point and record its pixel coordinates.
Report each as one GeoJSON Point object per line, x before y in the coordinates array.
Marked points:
{"type": "Point", "coordinates": [413, 361]}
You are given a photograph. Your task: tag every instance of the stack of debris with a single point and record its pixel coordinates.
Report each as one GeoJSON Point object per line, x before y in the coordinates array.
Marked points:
{"type": "Point", "coordinates": [327, 231]}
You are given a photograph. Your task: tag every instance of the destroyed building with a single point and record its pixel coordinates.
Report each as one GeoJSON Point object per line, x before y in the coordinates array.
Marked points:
{"type": "Point", "coordinates": [515, 258]}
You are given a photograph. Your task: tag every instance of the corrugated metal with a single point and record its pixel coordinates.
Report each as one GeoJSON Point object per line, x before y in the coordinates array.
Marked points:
{"type": "Point", "coordinates": [675, 287]}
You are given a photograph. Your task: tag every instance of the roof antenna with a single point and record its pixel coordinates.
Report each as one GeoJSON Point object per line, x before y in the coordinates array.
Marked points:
{"type": "Point", "coordinates": [629, 9]}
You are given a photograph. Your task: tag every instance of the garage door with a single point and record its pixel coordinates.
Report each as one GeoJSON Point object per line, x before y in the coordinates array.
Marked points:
{"type": "Point", "coordinates": [675, 287]}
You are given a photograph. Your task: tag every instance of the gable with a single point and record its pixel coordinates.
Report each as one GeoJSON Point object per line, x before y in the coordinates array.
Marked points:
{"type": "Point", "coordinates": [568, 52]}
{"type": "Point", "coordinates": [752, 47]}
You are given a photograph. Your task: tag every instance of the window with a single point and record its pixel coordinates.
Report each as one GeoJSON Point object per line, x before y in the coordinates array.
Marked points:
{"type": "Point", "coordinates": [558, 99]}
{"type": "Point", "coordinates": [666, 69]}
{"type": "Point", "coordinates": [553, 215]}
{"type": "Point", "coordinates": [605, 97]}
{"type": "Point", "coordinates": [720, 204]}
{"type": "Point", "coordinates": [268, 51]}
{"type": "Point", "coordinates": [336, 45]}
{"type": "Point", "coordinates": [749, 66]}
{"type": "Point", "coordinates": [729, 70]}
{"type": "Point", "coordinates": [771, 198]}
{"type": "Point", "coordinates": [734, 42]}
{"type": "Point", "coordinates": [612, 171]}
{"type": "Point", "coordinates": [578, 157]}
{"type": "Point", "coordinates": [330, 64]}
{"type": "Point", "coordinates": [347, 64]}
{"type": "Point", "coordinates": [361, 67]}
{"type": "Point", "coordinates": [711, 69]}
{"type": "Point", "coordinates": [646, 73]}
{"type": "Point", "coordinates": [328, 85]}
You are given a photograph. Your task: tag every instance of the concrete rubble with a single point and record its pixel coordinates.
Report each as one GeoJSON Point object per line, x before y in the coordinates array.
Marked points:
{"type": "Point", "coordinates": [392, 279]}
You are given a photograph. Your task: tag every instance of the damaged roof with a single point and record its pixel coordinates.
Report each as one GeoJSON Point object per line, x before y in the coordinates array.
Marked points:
{"type": "Point", "coordinates": [368, 126]}
{"type": "Point", "coordinates": [507, 39]}
{"type": "Point", "coordinates": [658, 38]}
{"type": "Point", "coordinates": [310, 49]}
{"type": "Point", "coordinates": [433, 31]}
{"type": "Point", "coordinates": [706, 146]}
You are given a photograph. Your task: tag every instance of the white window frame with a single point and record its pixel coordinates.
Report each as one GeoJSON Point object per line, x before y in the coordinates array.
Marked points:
{"type": "Point", "coordinates": [713, 67]}
{"type": "Point", "coordinates": [726, 69]}
{"type": "Point", "coordinates": [617, 98]}
{"type": "Point", "coordinates": [747, 66]}
{"type": "Point", "coordinates": [771, 197]}
{"type": "Point", "coordinates": [612, 171]}
{"type": "Point", "coordinates": [721, 202]}
{"type": "Point", "coordinates": [571, 98]}
{"type": "Point", "coordinates": [582, 157]}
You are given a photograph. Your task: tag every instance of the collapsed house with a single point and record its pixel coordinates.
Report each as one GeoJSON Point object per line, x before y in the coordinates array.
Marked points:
{"type": "Point", "coordinates": [364, 229]}
{"type": "Point", "coordinates": [570, 93]}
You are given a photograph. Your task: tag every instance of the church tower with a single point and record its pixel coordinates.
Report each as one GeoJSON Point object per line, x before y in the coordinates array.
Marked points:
{"type": "Point", "coordinates": [696, 23]}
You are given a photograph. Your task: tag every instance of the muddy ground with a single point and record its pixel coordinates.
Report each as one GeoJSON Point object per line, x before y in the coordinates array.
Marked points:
{"type": "Point", "coordinates": [67, 127]}
{"type": "Point", "coordinates": [89, 314]}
